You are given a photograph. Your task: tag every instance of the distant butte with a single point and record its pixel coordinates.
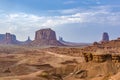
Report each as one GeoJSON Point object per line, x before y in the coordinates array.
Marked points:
{"type": "Point", "coordinates": [45, 37]}
{"type": "Point", "coordinates": [105, 37]}
{"type": "Point", "coordinates": [9, 38]}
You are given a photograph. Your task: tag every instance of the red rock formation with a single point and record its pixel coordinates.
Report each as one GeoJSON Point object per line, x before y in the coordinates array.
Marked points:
{"type": "Point", "coordinates": [45, 34]}
{"type": "Point", "coordinates": [8, 39]}
{"type": "Point", "coordinates": [105, 37]}
{"type": "Point", "coordinates": [45, 37]}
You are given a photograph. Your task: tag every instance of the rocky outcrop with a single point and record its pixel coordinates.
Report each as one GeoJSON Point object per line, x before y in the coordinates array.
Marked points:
{"type": "Point", "coordinates": [101, 52]}
{"type": "Point", "coordinates": [60, 39]}
{"type": "Point", "coordinates": [2, 36]}
{"type": "Point", "coordinates": [9, 38]}
{"type": "Point", "coordinates": [115, 58]}
{"type": "Point", "coordinates": [105, 37]}
{"type": "Point", "coordinates": [27, 41]}
{"type": "Point", "coordinates": [88, 57]}
{"type": "Point", "coordinates": [46, 37]}
{"type": "Point", "coordinates": [102, 57]}
{"type": "Point", "coordinates": [45, 34]}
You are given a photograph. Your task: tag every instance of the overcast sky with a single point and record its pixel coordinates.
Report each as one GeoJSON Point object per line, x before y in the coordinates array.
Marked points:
{"type": "Point", "coordinates": [74, 20]}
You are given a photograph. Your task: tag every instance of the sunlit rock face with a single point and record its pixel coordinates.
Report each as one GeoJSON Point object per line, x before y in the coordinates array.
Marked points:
{"type": "Point", "coordinates": [46, 37]}
{"type": "Point", "coordinates": [45, 34]}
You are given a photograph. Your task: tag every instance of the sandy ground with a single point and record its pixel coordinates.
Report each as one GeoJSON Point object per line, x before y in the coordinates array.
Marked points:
{"type": "Point", "coordinates": [23, 65]}
{"type": "Point", "coordinates": [28, 63]}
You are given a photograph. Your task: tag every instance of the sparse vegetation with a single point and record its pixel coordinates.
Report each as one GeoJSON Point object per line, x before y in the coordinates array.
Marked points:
{"type": "Point", "coordinates": [44, 74]}
{"type": "Point", "coordinates": [59, 63]}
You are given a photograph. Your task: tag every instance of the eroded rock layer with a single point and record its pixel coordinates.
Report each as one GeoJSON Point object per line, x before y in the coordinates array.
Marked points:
{"type": "Point", "coordinates": [46, 37]}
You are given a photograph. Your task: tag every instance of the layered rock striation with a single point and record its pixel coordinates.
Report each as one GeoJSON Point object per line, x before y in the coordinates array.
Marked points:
{"type": "Point", "coordinates": [46, 37]}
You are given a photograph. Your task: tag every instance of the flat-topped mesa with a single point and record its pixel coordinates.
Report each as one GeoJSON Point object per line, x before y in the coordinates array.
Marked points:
{"type": "Point", "coordinates": [10, 38]}
{"type": "Point", "coordinates": [7, 38]}
{"type": "Point", "coordinates": [105, 37]}
{"type": "Point", "coordinates": [45, 37]}
{"type": "Point", "coordinates": [45, 34]}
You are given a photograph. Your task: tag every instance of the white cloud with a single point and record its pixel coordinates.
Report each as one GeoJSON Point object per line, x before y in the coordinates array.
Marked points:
{"type": "Point", "coordinates": [70, 2]}
{"type": "Point", "coordinates": [66, 11]}
{"type": "Point", "coordinates": [91, 2]}
{"type": "Point", "coordinates": [70, 11]}
{"type": "Point", "coordinates": [98, 2]}
{"type": "Point", "coordinates": [26, 24]}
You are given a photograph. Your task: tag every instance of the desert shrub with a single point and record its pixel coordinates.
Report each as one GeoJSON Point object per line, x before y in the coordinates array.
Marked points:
{"type": "Point", "coordinates": [44, 74]}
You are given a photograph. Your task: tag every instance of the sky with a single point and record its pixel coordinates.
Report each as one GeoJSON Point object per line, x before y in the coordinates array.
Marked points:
{"type": "Point", "coordinates": [74, 20]}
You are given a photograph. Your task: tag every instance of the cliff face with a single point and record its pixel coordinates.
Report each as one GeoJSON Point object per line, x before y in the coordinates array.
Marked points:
{"type": "Point", "coordinates": [45, 34]}
{"type": "Point", "coordinates": [45, 37]}
{"type": "Point", "coordinates": [2, 36]}
{"type": "Point", "coordinates": [100, 52]}
{"type": "Point", "coordinates": [105, 37]}
{"type": "Point", "coordinates": [9, 38]}
{"type": "Point", "coordinates": [102, 57]}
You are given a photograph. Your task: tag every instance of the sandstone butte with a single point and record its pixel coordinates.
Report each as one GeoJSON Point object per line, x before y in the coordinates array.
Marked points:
{"type": "Point", "coordinates": [45, 37]}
